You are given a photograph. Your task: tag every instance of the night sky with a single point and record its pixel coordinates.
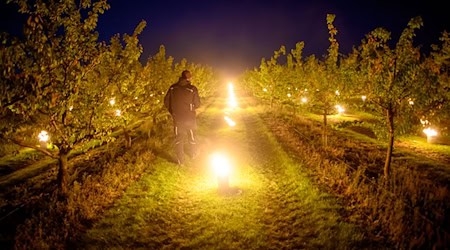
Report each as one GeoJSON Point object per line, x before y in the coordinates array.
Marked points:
{"type": "Point", "coordinates": [232, 36]}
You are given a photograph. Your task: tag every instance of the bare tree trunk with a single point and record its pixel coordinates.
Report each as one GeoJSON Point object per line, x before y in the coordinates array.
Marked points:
{"type": "Point", "coordinates": [62, 172]}
{"type": "Point", "coordinates": [325, 129]}
{"type": "Point", "coordinates": [127, 137]}
{"type": "Point", "coordinates": [390, 149]}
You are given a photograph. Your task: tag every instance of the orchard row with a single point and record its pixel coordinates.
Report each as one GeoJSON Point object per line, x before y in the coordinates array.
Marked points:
{"type": "Point", "coordinates": [401, 87]}
{"type": "Point", "coordinates": [61, 85]}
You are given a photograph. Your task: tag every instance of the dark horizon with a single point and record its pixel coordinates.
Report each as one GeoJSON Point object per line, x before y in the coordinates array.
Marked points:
{"type": "Point", "coordinates": [232, 36]}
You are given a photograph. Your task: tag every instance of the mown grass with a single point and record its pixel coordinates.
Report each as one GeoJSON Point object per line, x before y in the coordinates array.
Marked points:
{"type": "Point", "coordinates": [409, 208]}
{"type": "Point", "coordinates": [271, 203]}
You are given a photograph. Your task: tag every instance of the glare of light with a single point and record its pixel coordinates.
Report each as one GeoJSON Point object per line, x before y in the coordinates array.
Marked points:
{"type": "Point", "coordinates": [135, 98]}
{"type": "Point", "coordinates": [70, 108]}
{"type": "Point", "coordinates": [410, 101]}
{"type": "Point", "coordinates": [289, 95]}
{"type": "Point", "coordinates": [337, 92]}
{"type": "Point", "coordinates": [304, 100]}
{"type": "Point", "coordinates": [222, 169]}
{"type": "Point", "coordinates": [364, 98]}
{"type": "Point", "coordinates": [430, 134]}
{"type": "Point", "coordinates": [229, 121]}
{"type": "Point", "coordinates": [220, 164]}
{"type": "Point", "coordinates": [232, 102]}
{"type": "Point", "coordinates": [306, 90]}
{"type": "Point", "coordinates": [151, 95]}
{"type": "Point", "coordinates": [112, 102]}
{"type": "Point", "coordinates": [118, 112]}
{"type": "Point", "coordinates": [424, 122]}
{"type": "Point", "coordinates": [230, 87]}
{"type": "Point", "coordinates": [43, 136]}
{"type": "Point", "coordinates": [340, 109]}
{"type": "Point", "coordinates": [264, 89]}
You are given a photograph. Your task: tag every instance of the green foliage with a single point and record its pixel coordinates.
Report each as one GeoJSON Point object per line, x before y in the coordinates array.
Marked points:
{"type": "Point", "coordinates": [401, 86]}
{"type": "Point", "coordinates": [61, 79]}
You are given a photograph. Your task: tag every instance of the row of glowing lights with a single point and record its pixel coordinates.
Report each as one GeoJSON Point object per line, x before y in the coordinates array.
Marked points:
{"type": "Point", "coordinates": [428, 131]}
{"type": "Point", "coordinates": [112, 102]}
{"type": "Point", "coordinates": [219, 161]}
{"type": "Point", "coordinates": [305, 100]}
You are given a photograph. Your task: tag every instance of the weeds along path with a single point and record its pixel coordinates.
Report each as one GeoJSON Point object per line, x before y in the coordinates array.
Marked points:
{"type": "Point", "coordinates": [271, 204]}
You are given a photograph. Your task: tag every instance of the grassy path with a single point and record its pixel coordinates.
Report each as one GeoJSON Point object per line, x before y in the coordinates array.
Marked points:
{"type": "Point", "coordinates": [271, 203]}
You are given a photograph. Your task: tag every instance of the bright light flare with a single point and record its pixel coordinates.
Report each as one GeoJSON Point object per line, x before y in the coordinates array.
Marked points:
{"type": "Point", "coordinates": [112, 102]}
{"type": "Point", "coordinates": [289, 95]}
{"type": "Point", "coordinates": [364, 98]}
{"type": "Point", "coordinates": [43, 136]}
{"type": "Point", "coordinates": [337, 92]}
{"type": "Point", "coordinates": [229, 121]}
{"type": "Point", "coordinates": [230, 87]}
{"type": "Point", "coordinates": [424, 122]}
{"type": "Point", "coordinates": [232, 102]}
{"type": "Point", "coordinates": [430, 134]}
{"type": "Point", "coordinates": [265, 89]}
{"type": "Point", "coordinates": [304, 100]}
{"type": "Point", "coordinates": [340, 109]}
{"type": "Point", "coordinates": [118, 112]}
{"type": "Point", "coordinates": [221, 165]}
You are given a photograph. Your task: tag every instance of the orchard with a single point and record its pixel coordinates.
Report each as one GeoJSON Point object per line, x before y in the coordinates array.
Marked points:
{"type": "Point", "coordinates": [336, 151]}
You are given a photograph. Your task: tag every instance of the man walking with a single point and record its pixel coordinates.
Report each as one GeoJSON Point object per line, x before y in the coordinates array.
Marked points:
{"type": "Point", "coordinates": [181, 101]}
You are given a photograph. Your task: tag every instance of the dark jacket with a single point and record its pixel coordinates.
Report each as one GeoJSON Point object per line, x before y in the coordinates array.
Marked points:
{"type": "Point", "coordinates": [181, 100]}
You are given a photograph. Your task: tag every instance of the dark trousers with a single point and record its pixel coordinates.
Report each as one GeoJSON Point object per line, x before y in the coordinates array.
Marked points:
{"type": "Point", "coordinates": [184, 133]}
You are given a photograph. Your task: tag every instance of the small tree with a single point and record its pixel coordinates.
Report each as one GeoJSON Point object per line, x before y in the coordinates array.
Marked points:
{"type": "Point", "coordinates": [391, 77]}
{"type": "Point", "coordinates": [324, 80]}
{"type": "Point", "coordinates": [54, 64]}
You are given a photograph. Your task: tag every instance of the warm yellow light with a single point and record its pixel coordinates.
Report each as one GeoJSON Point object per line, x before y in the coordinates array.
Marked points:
{"type": "Point", "coordinates": [118, 112]}
{"type": "Point", "coordinates": [364, 98]}
{"type": "Point", "coordinates": [337, 92]}
{"type": "Point", "coordinates": [112, 102]}
{"type": "Point", "coordinates": [220, 164]}
{"type": "Point", "coordinates": [410, 101]}
{"type": "Point", "coordinates": [232, 102]}
{"type": "Point", "coordinates": [43, 136]}
{"type": "Point", "coordinates": [229, 121]}
{"type": "Point", "coordinates": [304, 100]}
{"type": "Point", "coordinates": [230, 87]}
{"type": "Point", "coordinates": [430, 132]}
{"type": "Point", "coordinates": [340, 109]}
{"type": "Point", "coordinates": [264, 89]}
{"type": "Point", "coordinates": [424, 122]}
